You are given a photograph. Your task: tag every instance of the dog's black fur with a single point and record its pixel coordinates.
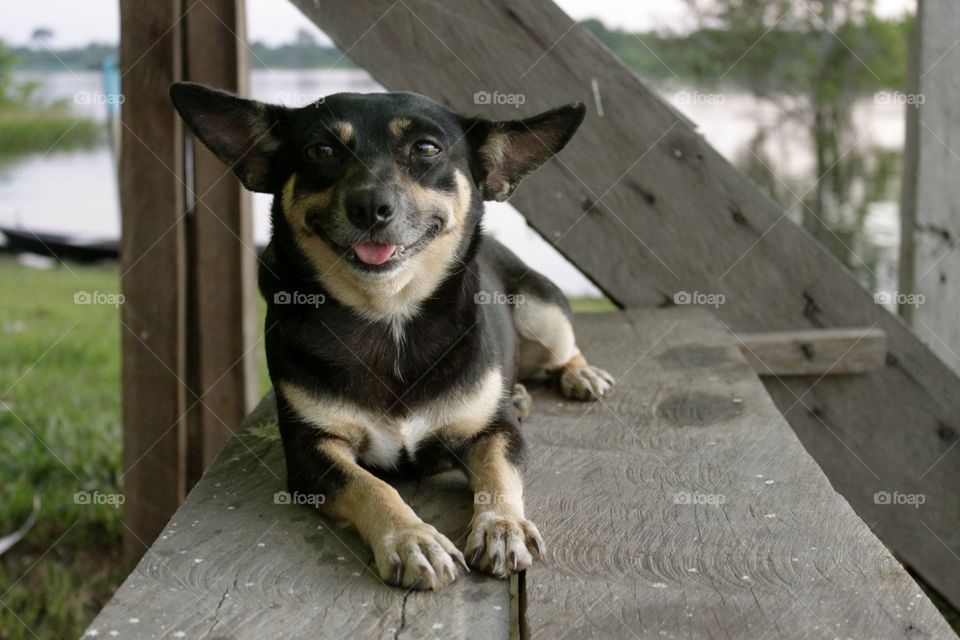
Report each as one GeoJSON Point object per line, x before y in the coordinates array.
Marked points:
{"type": "Point", "coordinates": [367, 178]}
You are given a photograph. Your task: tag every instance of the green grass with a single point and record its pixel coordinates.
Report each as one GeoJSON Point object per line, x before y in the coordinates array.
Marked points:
{"type": "Point", "coordinates": [59, 434]}
{"type": "Point", "coordinates": [592, 305]}
{"type": "Point", "coordinates": [28, 130]}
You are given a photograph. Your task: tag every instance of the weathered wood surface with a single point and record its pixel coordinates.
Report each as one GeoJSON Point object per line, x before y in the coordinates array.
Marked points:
{"type": "Point", "coordinates": [234, 564]}
{"type": "Point", "coordinates": [222, 266]}
{"type": "Point", "coordinates": [684, 506]}
{"type": "Point", "coordinates": [153, 273]}
{"type": "Point", "coordinates": [930, 242]}
{"type": "Point", "coordinates": [622, 491]}
{"type": "Point", "coordinates": [815, 351]}
{"type": "Point", "coordinates": [643, 205]}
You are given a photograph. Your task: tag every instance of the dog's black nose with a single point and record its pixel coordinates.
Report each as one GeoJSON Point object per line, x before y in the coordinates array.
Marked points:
{"type": "Point", "coordinates": [369, 207]}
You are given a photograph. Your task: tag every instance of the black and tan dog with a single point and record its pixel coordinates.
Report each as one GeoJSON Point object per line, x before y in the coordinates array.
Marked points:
{"type": "Point", "coordinates": [398, 330]}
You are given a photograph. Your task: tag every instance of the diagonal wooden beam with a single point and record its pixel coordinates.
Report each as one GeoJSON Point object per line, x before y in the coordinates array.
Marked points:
{"type": "Point", "coordinates": [646, 209]}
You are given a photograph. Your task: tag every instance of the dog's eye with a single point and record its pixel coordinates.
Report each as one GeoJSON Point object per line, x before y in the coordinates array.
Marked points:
{"type": "Point", "coordinates": [319, 151]}
{"type": "Point", "coordinates": [425, 148]}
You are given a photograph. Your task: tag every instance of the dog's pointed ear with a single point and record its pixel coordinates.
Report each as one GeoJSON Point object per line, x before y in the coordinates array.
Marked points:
{"type": "Point", "coordinates": [245, 134]}
{"type": "Point", "coordinates": [506, 151]}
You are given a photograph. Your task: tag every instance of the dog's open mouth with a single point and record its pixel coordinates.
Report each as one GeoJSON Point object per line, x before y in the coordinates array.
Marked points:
{"type": "Point", "coordinates": [382, 257]}
{"type": "Point", "coordinates": [375, 254]}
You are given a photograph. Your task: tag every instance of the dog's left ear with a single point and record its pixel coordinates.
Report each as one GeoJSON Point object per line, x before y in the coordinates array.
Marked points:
{"type": "Point", "coordinates": [505, 152]}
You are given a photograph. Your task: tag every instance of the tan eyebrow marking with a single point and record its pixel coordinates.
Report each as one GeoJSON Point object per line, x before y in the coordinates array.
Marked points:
{"type": "Point", "coordinates": [399, 126]}
{"type": "Point", "coordinates": [344, 131]}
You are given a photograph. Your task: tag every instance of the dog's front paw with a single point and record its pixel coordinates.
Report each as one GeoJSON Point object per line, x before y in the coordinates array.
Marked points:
{"type": "Point", "coordinates": [501, 545]}
{"type": "Point", "coordinates": [418, 557]}
{"type": "Point", "coordinates": [586, 383]}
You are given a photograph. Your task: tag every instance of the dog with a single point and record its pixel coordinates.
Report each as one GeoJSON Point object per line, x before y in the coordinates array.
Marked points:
{"type": "Point", "coordinates": [397, 331]}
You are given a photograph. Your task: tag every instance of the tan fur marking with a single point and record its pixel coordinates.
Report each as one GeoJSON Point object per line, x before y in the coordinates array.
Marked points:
{"type": "Point", "coordinates": [429, 267]}
{"type": "Point", "coordinates": [434, 201]}
{"type": "Point", "coordinates": [344, 131]}
{"type": "Point", "coordinates": [367, 503]}
{"type": "Point", "coordinates": [379, 439]}
{"type": "Point", "coordinates": [339, 419]}
{"type": "Point", "coordinates": [296, 209]}
{"type": "Point", "coordinates": [332, 270]}
{"type": "Point", "coordinates": [468, 414]}
{"type": "Point", "coordinates": [574, 363]}
{"type": "Point", "coordinates": [490, 472]}
{"type": "Point", "coordinates": [398, 126]}
{"type": "Point", "coordinates": [396, 295]}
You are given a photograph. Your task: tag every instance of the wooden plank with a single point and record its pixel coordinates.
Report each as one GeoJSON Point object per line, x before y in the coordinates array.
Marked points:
{"type": "Point", "coordinates": [235, 564]}
{"type": "Point", "coordinates": [654, 506]}
{"type": "Point", "coordinates": [930, 244]}
{"type": "Point", "coordinates": [647, 209]}
{"type": "Point", "coordinates": [223, 322]}
{"type": "Point", "coordinates": [815, 351]}
{"type": "Point", "coordinates": [684, 505]}
{"type": "Point", "coordinates": [153, 267]}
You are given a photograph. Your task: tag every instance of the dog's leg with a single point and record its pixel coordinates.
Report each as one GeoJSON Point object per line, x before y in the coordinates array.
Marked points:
{"type": "Point", "coordinates": [548, 343]}
{"type": "Point", "coordinates": [501, 541]}
{"type": "Point", "coordinates": [522, 401]}
{"type": "Point", "coordinates": [408, 551]}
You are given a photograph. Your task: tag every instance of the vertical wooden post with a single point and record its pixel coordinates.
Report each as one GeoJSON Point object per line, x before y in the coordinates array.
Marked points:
{"type": "Point", "coordinates": [187, 260]}
{"type": "Point", "coordinates": [222, 267]}
{"type": "Point", "coordinates": [930, 242]}
{"type": "Point", "coordinates": [153, 268]}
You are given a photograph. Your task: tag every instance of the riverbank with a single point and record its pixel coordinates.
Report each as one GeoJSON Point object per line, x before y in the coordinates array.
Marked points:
{"type": "Point", "coordinates": [25, 130]}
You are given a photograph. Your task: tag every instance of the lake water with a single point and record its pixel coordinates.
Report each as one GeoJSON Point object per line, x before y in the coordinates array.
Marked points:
{"type": "Point", "coordinates": [76, 191]}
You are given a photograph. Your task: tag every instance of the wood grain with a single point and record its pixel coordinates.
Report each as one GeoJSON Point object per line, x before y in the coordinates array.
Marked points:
{"type": "Point", "coordinates": [711, 522]}
{"type": "Point", "coordinates": [930, 244]}
{"type": "Point", "coordinates": [682, 505]}
{"type": "Point", "coordinates": [646, 209]}
{"type": "Point", "coordinates": [815, 351]}
{"type": "Point", "coordinates": [153, 268]}
{"type": "Point", "coordinates": [222, 310]}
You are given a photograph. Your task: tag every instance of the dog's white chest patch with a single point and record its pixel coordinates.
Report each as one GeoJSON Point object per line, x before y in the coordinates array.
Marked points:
{"type": "Point", "coordinates": [387, 440]}
{"type": "Point", "coordinates": [381, 439]}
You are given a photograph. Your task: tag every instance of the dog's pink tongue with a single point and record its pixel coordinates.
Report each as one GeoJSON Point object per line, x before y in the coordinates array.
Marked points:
{"type": "Point", "coordinates": [373, 253]}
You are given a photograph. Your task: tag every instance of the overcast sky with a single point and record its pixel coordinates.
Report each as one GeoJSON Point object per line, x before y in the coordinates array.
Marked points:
{"type": "Point", "coordinates": [275, 21]}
